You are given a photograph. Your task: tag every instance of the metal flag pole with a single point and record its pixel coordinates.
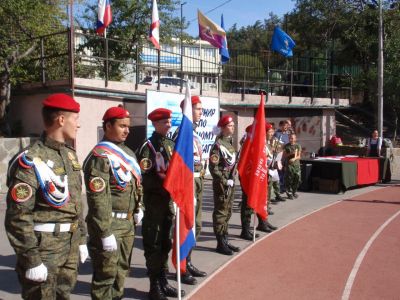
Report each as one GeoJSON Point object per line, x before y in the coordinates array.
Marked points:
{"type": "Point", "coordinates": [254, 227]}
{"type": "Point", "coordinates": [178, 254]}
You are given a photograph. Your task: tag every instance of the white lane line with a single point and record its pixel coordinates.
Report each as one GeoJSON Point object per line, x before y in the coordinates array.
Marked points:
{"type": "Point", "coordinates": [360, 258]}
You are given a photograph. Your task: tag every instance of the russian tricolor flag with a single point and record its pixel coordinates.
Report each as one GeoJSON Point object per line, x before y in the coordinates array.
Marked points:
{"type": "Point", "coordinates": [179, 182]}
{"type": "Point", "coordinates": [104, 16]}
{"type": "Point", "coordinates": [154, 34]}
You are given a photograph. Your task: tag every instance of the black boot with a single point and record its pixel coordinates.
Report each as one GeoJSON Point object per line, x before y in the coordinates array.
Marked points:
{"type": "Point", "coordinates": [248, 235]}
{"type": "Point", "coordinates": [169, 290]}
{"type": "Point", "coordinates": [222, 247]}
{"type": "Point", "coordinates": [156, 292]}
{"type": "Point", "coordinates": [192, 269]}
{"type": "Point", "coordinates": [272, 227]}
{"type": "Point", "coordinates": [187, 278]}
{"type": "Point", "coordinates": [262, 226]}
{"type": "Point", "coordinates": [230, 246]}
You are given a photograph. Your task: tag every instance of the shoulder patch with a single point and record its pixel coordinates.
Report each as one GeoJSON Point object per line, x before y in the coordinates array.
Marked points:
{"type": "Point", "coordinates": [145, 164]}
{"type": "Point", "coordinates": [214, 158]}
{"type": "Point", "coordinates": [21, 192]}
{"type": "Point", "coordinates": [97, 184]}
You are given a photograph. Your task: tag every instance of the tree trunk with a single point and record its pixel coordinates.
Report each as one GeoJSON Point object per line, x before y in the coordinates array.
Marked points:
{"type": "Point", "coordinates": [5, 91]}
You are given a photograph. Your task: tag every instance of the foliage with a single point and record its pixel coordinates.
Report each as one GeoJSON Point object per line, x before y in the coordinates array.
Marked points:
{"type": "Point", "coordinates": [21, 22]}
{"type": "Point", "coordinates": [128, 31]}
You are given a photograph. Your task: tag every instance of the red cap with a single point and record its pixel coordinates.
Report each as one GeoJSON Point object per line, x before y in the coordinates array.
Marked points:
{"type": "Point", "coordinates": [159, 114]}
{"type": "Point", "coordinates": [116, 112]}
{"type": "Point", "coordinates": [268, 126]}
{"type": "Point", "coordinates": [249, 128]}
{"type": "Point", "coordinates": [225, 120]}
{"type": "Point", "coordinates": [62, 102]}
{"type": "Point", "coordinates": [195, 100]}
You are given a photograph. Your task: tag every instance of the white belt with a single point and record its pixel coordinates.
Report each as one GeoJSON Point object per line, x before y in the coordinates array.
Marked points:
{"type": "Point", "coordinates": [119, 215]}
{"type": "Point", "coordinates": [50, 227]}
{"type": "Point", "coordinates": [197, 174]}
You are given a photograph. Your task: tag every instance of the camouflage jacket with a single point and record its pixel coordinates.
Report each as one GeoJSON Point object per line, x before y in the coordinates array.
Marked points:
{"type": "Point", "coordinates": [153, 168]}
{"type": "Point", "coordinates": [105, 196]}
{"type": "Point", "coordinates": [26, 204]}
{"type": "Point", "coordinates": [222, 159]}
{"type": "Point", "coordinates": [290, 151]}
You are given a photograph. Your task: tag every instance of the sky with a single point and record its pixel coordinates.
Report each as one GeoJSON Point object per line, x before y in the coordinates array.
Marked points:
{"type": "Point", "coordinates": [241, 12]}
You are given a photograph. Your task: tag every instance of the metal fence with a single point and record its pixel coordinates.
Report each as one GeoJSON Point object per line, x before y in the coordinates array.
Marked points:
{"type": "Point", "coordinates": [95, 57]}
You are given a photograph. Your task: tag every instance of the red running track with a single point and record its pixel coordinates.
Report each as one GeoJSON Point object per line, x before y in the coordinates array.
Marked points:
{"type": "Point", "coordinates": [313, 257]}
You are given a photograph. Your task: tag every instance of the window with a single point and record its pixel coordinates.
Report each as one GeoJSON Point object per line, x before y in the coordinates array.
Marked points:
{"type": "Point", "coordinates": [193, 51]}
{"type": "Point", "coordinates": [209, 52]}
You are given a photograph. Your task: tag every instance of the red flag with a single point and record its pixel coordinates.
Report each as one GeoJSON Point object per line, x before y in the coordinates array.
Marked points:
{"type": "Point", "coordinates": [253, 169]}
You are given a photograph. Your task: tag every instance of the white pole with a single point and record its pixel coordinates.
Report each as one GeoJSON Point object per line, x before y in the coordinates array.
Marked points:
{"type": "Point", "coordinates": [254, 227]}
{"type": "Point", "coordinates": [178, 254]}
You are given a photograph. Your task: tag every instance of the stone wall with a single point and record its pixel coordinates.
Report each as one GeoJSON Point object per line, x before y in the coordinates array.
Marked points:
{"type": "Point", "coordinates": [8, 148]}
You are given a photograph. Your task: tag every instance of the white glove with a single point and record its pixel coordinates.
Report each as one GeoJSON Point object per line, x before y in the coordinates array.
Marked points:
{"type": "Point", "coordinates": [230, 182]}
{"type": "Point", "coordinates": [38, 273]}
{"type": "Point", "coordinates": [109, 243]}
{"type": "Point", "coordinates": [138, 216]}
{"type": "Point", "coordinates": [83, 253]}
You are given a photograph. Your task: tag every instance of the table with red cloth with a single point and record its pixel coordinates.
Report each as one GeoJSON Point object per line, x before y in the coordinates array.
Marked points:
{"type": "Point", "coordinates": [335, 174]}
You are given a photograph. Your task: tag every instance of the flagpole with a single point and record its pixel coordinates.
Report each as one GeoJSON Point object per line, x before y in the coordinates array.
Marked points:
{"type": "Point", "coordinates": [106, 58]}
{"type": "Point", "coordinates": [178, 254]}
{"type": "Point", "coordinates": [254, 227]}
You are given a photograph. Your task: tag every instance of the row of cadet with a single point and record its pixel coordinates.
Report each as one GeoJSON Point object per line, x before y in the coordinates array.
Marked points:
{"type": "Point", "coordinates": [44, 219]}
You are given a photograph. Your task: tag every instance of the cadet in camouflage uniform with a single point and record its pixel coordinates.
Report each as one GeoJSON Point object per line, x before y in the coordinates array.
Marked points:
{"type": "Point", "coordinates": [222, 161]}
{"type": "Point", "coordinates": [292, 167]}
{"type": "Point", "coordinates": [197, 111]}
{"type": "Point", "coordinates": [245, 211]}
{"type": "Point", "coordinates": [113, 189]}
{"type": "Point", "coordinates": [43, 220]}
{"type": "Point", "coordinates": [154, 157]}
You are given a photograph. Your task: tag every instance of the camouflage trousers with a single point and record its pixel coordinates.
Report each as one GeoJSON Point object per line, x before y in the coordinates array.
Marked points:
{"type": "Point", "coordinates": [292, 178]}
{"type": "Point", "coordinates": [246, 213]}
{"type": "Point", "coordinates": [110, 268]}
{"type": "Point", "coordinates": [222, 208]}
{"type": "Point", "coordinates": [157, 233]}
{"type": "Point", "coordinates": [60, 254]}
{"type": "Point", "coordinates": [273, 189]}
{"type": "Point", "coordinates": [198, 184]}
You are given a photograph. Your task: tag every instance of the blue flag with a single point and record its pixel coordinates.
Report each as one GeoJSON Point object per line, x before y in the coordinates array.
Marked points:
{"type": "Point", "coordinates": [282, 42]}
{"type": "Point", "coordinates": [223, 51]}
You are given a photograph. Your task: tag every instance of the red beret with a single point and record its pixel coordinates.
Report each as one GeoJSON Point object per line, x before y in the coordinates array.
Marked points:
{"type": "Point", "coordinates": [62, 102]}
{"type": "Point", "coordinates": [249, 128]}
{"type": "Point", "coordinates": [116, 112]}
{"type": "Point", "coordinates": [195, 100]}
{"type": "Point", "coordinates": [159, 114]}
{"type": "Point", "coordinates": [225, 120]}
{"type": "Point", "coordinates": [268, 126]}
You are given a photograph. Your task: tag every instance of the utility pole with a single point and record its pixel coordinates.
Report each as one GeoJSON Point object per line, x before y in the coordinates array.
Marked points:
{"type": "Point", "coordinates": [181, 46]}
{"type": "Point", "coordinates": [72, 45]}
{"type": "Point", "coordinates": [380, 72]}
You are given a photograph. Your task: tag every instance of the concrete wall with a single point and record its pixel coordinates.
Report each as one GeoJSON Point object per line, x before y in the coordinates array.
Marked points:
{"type": "Point", "coordinates": [8, 148]}
{"type": "Point", "coordinates": [395, 163]}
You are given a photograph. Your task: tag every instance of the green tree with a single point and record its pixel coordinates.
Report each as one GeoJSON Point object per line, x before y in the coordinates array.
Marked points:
{"type": "Point", "coordinates": [128, 30]}
{"type": "Point", "coordinates": [243, 68]}
{"type": "Point", "coordinates": [22, 21]}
